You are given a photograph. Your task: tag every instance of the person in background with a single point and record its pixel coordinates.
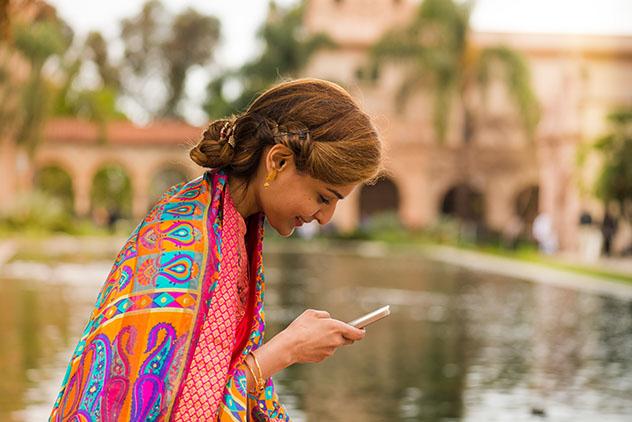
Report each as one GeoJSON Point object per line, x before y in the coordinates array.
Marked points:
{"type": "Point", "coordinates": [609, 227]}
{"type": "Point", "coordinates": [589, 237]}
{"type": "Point", "coordinates": [544, 233]}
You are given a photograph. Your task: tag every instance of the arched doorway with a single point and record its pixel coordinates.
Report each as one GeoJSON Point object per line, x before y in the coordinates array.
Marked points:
{"type": "Point", "coordinates": [464, 203]}
{"type": "Point", "coordinates": [526, 206]}
{"type": "Point", "coordinates": [55, 183]}
{"type": "Point", "coordinates": [379, 204]}
{"type": "Point", "coordinates": [111, 195]}
{"type": "Point", "coordinates": [163, 179]}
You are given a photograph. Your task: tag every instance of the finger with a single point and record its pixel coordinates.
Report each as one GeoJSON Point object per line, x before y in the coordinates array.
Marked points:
{"type": "Point", "coordinates": [349, 331]}
{"type": "Point", "coordinates": [343, 341]}
{"type": "Point", "coordinates": [320, 314]}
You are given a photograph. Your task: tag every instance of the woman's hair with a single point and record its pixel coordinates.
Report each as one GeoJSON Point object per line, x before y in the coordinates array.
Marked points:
{"type": "Point", "coordinates": [331, 139]}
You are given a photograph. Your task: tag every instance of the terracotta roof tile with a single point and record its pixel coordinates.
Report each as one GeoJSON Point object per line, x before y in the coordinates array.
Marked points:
{"type": "Point", "coordinates": [163, 132]}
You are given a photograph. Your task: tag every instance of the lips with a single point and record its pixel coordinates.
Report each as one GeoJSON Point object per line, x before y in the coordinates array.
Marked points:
{"type": "Point", "coordinates": [298, 222]}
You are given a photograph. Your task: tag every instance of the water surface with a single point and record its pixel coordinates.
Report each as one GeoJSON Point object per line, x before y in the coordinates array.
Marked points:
{"type": "Point", "coordinates": [459, 345]}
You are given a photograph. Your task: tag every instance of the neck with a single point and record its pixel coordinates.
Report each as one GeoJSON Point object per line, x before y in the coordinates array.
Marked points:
{"type": "Point", "coordinates": [244, 198]}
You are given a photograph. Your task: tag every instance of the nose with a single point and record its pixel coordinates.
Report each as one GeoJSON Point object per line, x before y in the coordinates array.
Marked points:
{"type": "Point", "coordinates": [325, 214]}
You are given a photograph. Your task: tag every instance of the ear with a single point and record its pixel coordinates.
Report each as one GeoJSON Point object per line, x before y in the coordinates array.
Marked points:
{"type": "Point", "coordinates": [278, 158]}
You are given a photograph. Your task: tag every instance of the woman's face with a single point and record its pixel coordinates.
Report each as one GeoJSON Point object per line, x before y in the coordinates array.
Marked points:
{"type": "Point", "coordinates": [294, 198]}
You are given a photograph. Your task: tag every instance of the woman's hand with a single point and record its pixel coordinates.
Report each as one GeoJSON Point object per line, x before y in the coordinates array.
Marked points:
{"type": "Point", "coordinates": [314, 336]}
{"type": "Point", "coordinates": [311, 337]}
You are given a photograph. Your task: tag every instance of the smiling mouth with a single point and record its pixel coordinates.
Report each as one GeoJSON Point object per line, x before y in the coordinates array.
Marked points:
{"type": "Point", "coordinates": [298, 222]}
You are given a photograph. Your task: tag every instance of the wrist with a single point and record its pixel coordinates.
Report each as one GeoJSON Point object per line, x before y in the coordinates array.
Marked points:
{"type": "Point", "coordinates": [286, 347]}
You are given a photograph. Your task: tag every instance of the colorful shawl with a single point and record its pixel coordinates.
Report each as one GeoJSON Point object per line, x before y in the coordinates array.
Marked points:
{"type": "Point", "coordinates": [137, 348]}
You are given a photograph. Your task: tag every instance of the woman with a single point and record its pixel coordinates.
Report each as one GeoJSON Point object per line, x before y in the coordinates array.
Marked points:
{"type": "Point", "coordinates": [177, 330]}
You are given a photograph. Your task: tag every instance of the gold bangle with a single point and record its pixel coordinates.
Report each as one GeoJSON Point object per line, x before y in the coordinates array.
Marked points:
{"type": "Point", "coordinates": [258, 368]}
{"type": "Point", "coordinates": [254, 377]}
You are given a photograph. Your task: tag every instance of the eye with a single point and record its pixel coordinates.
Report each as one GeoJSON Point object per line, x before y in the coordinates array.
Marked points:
{"type": "Point", "coordinates": [323, 200]}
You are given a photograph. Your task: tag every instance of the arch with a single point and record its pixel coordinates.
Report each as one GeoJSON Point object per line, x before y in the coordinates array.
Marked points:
{"type": "Point", "coordinates": [526, 206]}
{"type": "Point", "coordinates": [465, 203]}
{"type": "Point", "coordinates": [163, 178]}
{"type": "Point", "coordinates": [55, 181]}
{"type": "Point", "coordinates": [110, 193]}
{"type": "Point", "coordinates": [124, 163]}
{"type": "Point", "coordinates": [382, 198]}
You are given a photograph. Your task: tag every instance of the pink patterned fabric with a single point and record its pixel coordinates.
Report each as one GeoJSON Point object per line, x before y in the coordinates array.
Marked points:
{"type": "Point", "coordinates": [205, 382]}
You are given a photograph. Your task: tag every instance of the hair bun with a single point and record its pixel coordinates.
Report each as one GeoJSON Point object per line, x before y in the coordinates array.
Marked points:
{"type": "Point", "coordinates": [210, 152]}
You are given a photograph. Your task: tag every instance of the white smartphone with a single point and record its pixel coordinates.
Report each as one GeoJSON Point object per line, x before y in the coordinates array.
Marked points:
{"type": "Point", "coordinates": [371, 317]}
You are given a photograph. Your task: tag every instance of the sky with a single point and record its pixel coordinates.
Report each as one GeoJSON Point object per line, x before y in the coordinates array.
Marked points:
{"type": "Point", "coordinates": [241, 18]}
{"type": "Point", "coordinates": [554, 16]}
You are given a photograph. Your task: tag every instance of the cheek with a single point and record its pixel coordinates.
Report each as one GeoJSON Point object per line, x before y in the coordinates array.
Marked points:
{"type": "Point", "coordinates": [287, 202]}
{"type": "Point", "coordinates": [281, 218]}
{"type": "Point", "coordinates": [290, 206]}
{"type": "Point", "coordinates": [288, 211]}
{"type": "Point", "coordinates": [281, 210]}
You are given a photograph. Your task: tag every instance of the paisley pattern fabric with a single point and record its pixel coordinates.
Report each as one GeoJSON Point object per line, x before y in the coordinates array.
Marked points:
{"type": "Point", "coordinates": [139, 343]}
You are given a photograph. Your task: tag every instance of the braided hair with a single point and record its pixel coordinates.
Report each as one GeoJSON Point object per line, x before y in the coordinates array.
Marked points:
{"type": "Point", "coordinates": [330, 138]}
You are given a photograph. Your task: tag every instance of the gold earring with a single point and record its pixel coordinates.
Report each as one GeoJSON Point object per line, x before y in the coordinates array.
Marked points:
{"type": "Point", "coordinates": [271, 176]}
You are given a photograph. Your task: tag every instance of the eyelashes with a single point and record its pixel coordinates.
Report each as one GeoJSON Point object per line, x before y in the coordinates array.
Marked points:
{"type": "Point", "coordinates": [323, 200]}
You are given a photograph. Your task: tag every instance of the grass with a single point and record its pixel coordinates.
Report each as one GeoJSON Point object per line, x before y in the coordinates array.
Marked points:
{"type": "Point", "coordinates": [534, 257]}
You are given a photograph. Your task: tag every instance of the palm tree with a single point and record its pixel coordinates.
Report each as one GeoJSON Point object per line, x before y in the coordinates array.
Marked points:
{"type": "Point", "coordinates": [614, 183]}
{"type": "Point", "coordinates": [25, 93]}
{"type": "Point", "coordinates": [38, 41]}
{"type": "Point", "coordinates": [439, 56]}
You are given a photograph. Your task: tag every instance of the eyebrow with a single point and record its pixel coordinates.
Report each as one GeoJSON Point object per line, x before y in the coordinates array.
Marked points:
{"type": "Point", "coordinates": [336, 193]}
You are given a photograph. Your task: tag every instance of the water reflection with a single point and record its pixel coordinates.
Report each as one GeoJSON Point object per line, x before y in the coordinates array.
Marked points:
{"type": "Point", "coordinates": [35, 325]}
{"type": "Point", "coordinates": [459, 345]}
{"type": "Point", "coordinates": [40, 322]}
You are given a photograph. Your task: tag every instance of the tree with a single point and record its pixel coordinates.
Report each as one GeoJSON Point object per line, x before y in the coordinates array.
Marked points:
{"type": "Point", "coordinates": [96, 50]}
{"type": "Point", "coordinates": [439, 57]}
{"type": "Point", "coordinates": [286, 50]}
{"type": "Point", "coordinates": [159, 47]}
{"type": "Point", "coordinates": [614, 183]}
{"type": "Point", "coordinates": [4, 20]}
{"type": "Point", "coordinates": [10, 93]}
{"type": "Point", "coordinates": [38, 41]}
{"type": "Point", "coordinates": [97, 104]}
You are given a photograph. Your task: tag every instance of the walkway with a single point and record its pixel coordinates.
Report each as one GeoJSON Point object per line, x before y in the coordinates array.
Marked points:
{"type": "Point", "coordinates": [528, 271]}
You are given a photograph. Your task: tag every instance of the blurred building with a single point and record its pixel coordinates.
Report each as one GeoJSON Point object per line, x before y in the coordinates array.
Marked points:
{"type": "Point", "coordinates": [505, 178]}
{"type": "Point", "coordinates": [577, 79]}
{"type": "Point", "coordinates": [143, 154]}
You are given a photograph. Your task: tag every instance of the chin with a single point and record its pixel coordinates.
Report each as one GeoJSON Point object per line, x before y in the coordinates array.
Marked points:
{"type": "Point", "coordinates": [284, 231]}
{"type": "Point", "coordinates": [287, 234]}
